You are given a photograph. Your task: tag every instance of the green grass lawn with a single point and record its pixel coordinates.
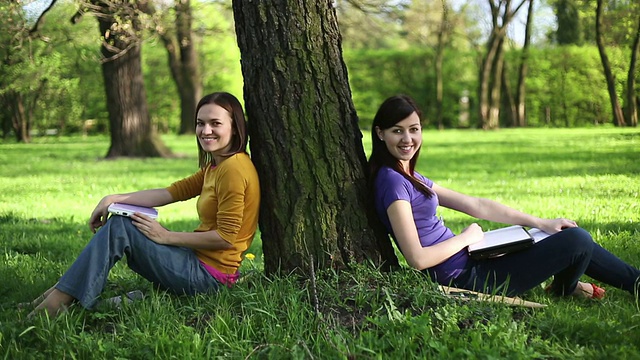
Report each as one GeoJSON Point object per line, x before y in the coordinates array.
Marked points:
{"type": "Point", "coordinates": [48, 189]}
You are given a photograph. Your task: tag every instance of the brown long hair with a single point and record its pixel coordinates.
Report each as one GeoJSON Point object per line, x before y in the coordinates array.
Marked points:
{"type": "Point", "coordinates": [392, 111]}
{"type": "Point", "coordinates": [238, 123]}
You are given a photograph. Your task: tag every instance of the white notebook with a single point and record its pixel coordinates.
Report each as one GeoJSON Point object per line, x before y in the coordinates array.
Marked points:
{"type": "Point", "coordinates": [505, 240]}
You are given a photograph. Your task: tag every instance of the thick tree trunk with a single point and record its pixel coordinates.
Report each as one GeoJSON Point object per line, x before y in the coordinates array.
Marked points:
{"type": "Point", "coordinates": [618, 117]}
{"type": "Point", "coordinates": [521, 114]}
{"type": "Point", "coordinates": [131, 131]}
{"type": "Point", "coordinates": [631, 108]}
{"type": "Point", "coordinates": [305, 140]}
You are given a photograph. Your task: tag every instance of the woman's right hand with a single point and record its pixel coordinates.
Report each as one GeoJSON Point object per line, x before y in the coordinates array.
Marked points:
{"type": "Point", "coordinates": [473, 233]}
{"type": "Point", "coordinates": [100, 214]}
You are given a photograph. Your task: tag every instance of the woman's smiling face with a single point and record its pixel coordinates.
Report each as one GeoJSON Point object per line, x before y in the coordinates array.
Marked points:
{"type": "Point", "coordinates": [403, 139]}
{"type": "Point", "coordinates": [214, 129]}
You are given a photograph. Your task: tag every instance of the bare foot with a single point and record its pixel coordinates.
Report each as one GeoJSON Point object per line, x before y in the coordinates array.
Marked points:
{"type": "Point", "coordinates": [35, 302]}
{"type": "Point", "coordinates": [588, 291]}
{"type": "Point", "coordinates": [55, 303]}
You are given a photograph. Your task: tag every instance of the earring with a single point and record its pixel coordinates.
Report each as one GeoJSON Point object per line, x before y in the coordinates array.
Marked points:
{"type": "Point", "coordinates": [381, 139]}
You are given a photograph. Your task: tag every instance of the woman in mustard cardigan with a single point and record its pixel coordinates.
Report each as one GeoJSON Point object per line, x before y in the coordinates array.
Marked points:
{"type": "Point", "coordinates": [182, 262]}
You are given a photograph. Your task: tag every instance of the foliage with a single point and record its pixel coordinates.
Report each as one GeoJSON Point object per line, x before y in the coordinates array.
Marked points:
{"type": "Point", "coordinates": [48, 71]}
{"type": "Point", "coordinates": [48, 188]}
{"type": "Point", "coordinates": [375, 75]}
{"type": "Point", "coordinates": [576, 21]}
{"type": "Point", "coordinates": [68, 62]}
{"type": "Point", "coordinates": [565, 85]}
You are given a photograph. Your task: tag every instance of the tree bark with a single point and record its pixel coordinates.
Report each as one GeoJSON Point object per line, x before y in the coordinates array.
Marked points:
{"type": "Point", "coordinates": [131, 131]}
{"type": "Point", "coordinates": [305, 140]}
{"type": "Point", "coordinates": [618, 117]}
{"type": "Point", "coordinates": [631, 108]}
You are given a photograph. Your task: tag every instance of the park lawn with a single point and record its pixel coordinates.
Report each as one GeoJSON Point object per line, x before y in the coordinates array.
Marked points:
{"type": "Point", "coordinates": [48, 189]}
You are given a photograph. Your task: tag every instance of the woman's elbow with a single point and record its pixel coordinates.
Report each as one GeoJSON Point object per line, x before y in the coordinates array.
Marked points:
{"type": "Point", "coordinates": [417, 263]}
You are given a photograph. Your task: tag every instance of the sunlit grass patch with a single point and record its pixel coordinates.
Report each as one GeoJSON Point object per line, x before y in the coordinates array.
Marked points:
{"type": "Point", "coordinates": [49, 188]}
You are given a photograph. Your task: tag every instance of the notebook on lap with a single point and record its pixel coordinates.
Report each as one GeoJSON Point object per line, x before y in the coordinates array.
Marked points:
{"type": "Point", "coordinates": [501, 241]}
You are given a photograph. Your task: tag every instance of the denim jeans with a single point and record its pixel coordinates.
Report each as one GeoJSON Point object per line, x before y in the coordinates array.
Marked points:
{"type": "Point", "coordinates": [565, 256]}
{"type": "Point", "coordinates": [172, 268]}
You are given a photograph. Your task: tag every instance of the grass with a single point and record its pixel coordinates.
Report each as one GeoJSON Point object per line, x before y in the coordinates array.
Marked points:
{"type": "Point", "coordinates": [48, 189]}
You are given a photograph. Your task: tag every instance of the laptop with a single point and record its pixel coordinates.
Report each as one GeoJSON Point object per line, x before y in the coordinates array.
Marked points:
{"type": "Point", "coordinates": [128, 210]}
{"type": "Point", "coordinates": [501, 241]}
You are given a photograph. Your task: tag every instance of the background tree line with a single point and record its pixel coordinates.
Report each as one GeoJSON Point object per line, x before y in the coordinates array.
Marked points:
{"type": "Point", "coordinates": [52, 80]}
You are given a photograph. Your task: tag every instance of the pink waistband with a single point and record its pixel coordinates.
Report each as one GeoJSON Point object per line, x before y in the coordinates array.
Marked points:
{"type": "Point", "coordinates": [226, 279]}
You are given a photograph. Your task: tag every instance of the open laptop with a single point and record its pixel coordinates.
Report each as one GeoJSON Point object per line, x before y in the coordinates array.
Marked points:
{"type": "Point", "coordinates": [501, 241]}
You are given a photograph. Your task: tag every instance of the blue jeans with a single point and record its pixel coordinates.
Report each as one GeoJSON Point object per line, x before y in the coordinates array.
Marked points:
{"type": "Point", "coordinates": [565, 256]}
{"type": "Point", "coordinates": [172, 268]}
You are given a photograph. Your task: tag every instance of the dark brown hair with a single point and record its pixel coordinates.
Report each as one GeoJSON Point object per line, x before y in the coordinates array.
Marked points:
{"type": "Point", "coordinates": [238, 123]}
{"type": "Point", "coordinates": [392, 111]}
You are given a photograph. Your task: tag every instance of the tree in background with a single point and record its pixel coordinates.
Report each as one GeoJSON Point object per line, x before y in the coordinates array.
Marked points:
{"type": "Point", "coordinates": [569, 29]}
{"type": "Point", "coordinates": [14, 50]}
{"type": "Point", "coordinates": [36, 86]}
{"type": "Point", "coordinates": [632, 99]}
{"type": "Point", "coordinates": [430, 24]}
{"type": "Point", "coordinates": [521, 91]}
{"type": "Point", "coordinates": [183, 61]}
{"type": "Point", "coordinates": [490, 83]}
{"type": "Point", "coordinates": [371, 24]}
{"type": "Point", "coordinates": [305, 139]}
{"type": "Point", "coordinates": [618, 116]}
{"type": "Point", "coordinates": [130, 125]}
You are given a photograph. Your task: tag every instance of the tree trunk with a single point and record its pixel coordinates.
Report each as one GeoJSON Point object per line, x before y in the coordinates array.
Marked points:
{"type": "Point", "coordinates": [618, 117]}
{"type": "Point", "coordinates": [18, 116]}
{"type": "Point", "coordinates": [183, 62]}
{"type": "Point", "coordinates": [485, 80]}
{"type": "Point", "coordinates": [509, 100]}
{"type": "Point", "coordinates": [496, 88]}
{"type": "Point", "coordinates": [631, 108]}
{"type": "Point", "coordinates": [521, 114]}
{"type": "Point", "coordinates": [490, 78]}
{"type": "Point", "coordinates": [305, 140]}
{"type": "Point", "coordinates": [443, 33]}
{"type": "Point", "coordinates": [131, 131]}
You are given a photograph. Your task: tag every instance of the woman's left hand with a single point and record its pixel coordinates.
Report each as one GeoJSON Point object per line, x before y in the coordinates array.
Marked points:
{"type": "Point", "coordinates": [552, 226]}
{"type": "Point", "coordinates": [150, 228]}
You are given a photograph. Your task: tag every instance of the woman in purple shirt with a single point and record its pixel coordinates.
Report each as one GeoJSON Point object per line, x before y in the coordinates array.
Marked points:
{"type": "Point", "coordinates": [406, 202]}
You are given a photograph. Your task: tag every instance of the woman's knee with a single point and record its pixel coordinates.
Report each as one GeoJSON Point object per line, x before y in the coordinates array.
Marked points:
{"type": "Point", "coordinates": [577, 238]}
{"type": "Point", "coordinates": [120, 228]}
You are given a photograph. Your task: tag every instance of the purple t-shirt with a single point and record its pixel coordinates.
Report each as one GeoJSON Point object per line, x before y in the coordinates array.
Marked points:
{"type": "Point", "coordinates": [390, 186]}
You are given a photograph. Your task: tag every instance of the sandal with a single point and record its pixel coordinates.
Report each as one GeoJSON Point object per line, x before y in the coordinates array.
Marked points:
{"type": "Point", "coordinates": [596, 292]}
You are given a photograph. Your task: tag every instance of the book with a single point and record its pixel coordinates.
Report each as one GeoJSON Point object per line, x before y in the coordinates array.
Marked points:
{"type": "Point", "coordinates": [538, 234]}
{"type": "Point", "coordinates": [505, 240]}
